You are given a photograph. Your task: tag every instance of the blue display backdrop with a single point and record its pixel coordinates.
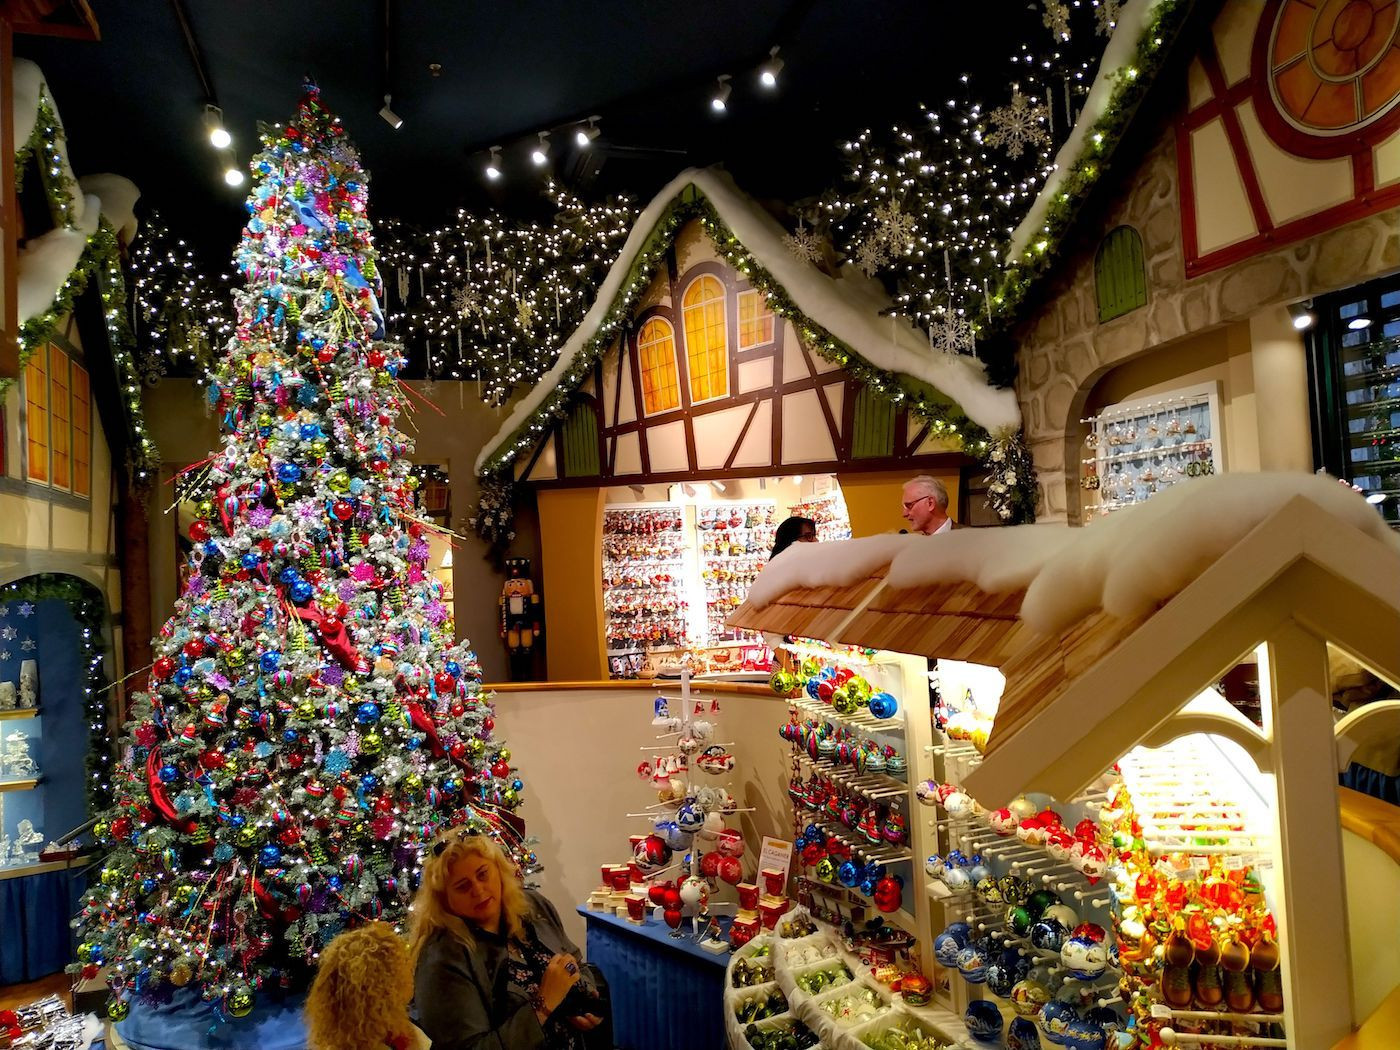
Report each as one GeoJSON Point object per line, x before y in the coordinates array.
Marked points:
{"type": "Point", "coordinates": [37, 907]}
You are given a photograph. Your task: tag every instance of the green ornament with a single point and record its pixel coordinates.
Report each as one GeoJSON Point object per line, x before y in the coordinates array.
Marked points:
{"type": "Point", "coordinates": [85, 951]}
{"type": "Point", "coordinates": [475, 747]}
{"type": "Point", "coordinates": [783, 683]}
{"type": "Point", "coordinates": [371, 744]}
{"type": "Point", "coordinates": [306, 709]}
{"type": "Point", "coordinates": [118, 1009]}
{"type": "Point", "coordinates": [413, 783]}
{"type": "Point", "coordinates": [239, 1002]}
{"type": "Point", "coordinates": [111, 876]}
{"type": "Point", "coordinates": [183, 893]}
{"type": "Point", "coordinates": [248, 835]}
{"type": "Point", "coordinates": [842, 702]}
{"type": "Point", "coordinates": [826, 870]}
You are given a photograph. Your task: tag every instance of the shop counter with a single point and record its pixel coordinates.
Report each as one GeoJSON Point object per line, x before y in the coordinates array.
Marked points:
{"type": "Point", "coordinates": [666, 991]}
{"type": "Point", "coordinates": [36, 902]}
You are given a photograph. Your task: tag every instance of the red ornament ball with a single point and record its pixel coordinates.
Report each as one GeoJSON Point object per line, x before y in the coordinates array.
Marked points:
{"type": "Point", "coordinates": [500, 768]}
{"type": "Point", "coordinates": [342, 510]}
{"type": "Point", "coordinates": [730, 870]}
{"type": "Point", "coordinates": [458, 751]}
{"type": "Point", "coordinates": [376, 359]}
{"type": "Point", "coordinates": [163, 668]}
{"type": "Point", "coordinates": [670, 897]}
{"type": "Point", "coordinates": [445, 682]}
{"type": "Point", "coordinates": [199, 531]}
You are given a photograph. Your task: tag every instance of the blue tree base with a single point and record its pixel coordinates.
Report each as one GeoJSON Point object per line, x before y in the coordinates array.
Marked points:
{"type": "Point", "coordinates": [189, 1023]}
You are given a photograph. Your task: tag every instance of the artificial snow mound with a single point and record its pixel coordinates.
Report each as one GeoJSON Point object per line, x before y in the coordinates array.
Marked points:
{"type": "Point", "coordinates": [1125, 564]}
{"type": "Point", "coordinates": [45, 262]}
{"type": "Point", "coordinates": [848, 307]}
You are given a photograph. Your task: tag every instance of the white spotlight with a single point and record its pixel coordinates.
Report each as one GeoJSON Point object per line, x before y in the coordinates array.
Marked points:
{"type": "Point", "coordinates": [233, 176]}
{"type": "Point", "coordinates": [493, 164]}
{"type": "Point", "coordinates": [1302, 315]}
{"type": "Point", "coordinates": [1375, 498]}
{"type": "Point", "coordinates": [390, 117]}
{"type": "Point", "coordinates": [720, 102]}
{"type": "Point", "coordinates": [768, 72]}
{"type": "Point", "coordinates": [1358, 323]}
{"type": "Point", "coordinates": [583, 136]}
{"type": "Point", "coordinates": [214, 128]}
{"type": "Point", "coordinates": [540, 155]}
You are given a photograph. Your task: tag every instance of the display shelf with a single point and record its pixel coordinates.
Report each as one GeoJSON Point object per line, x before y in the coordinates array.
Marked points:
{"type": "Point", "coordinates": [828, 510]}
{"type": "Point", "coordinates": [20, 712]}
{"type": "Point", "coordinates": [862, 719]}
{"type": "Point", "coordinates": [645, 602]}
{"type": "Point", "coordinates": [25, 784]}
{"type": "Point", "coordinates": [871, 785]}
{"type": "Point", "coordinates": [883, 852]}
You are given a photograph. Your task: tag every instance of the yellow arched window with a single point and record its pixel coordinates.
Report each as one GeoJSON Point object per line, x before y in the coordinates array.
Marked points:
{"type": "Point", "coordinates": [656, 350]}
{"type": "Point", "coordinates": [706, 345]}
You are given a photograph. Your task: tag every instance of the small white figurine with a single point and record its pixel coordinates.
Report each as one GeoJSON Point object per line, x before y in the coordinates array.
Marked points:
{"type": "Point", "coordinates": [29, 683]}
{"type": "Point", "coordinates": [28, 843]}
{"type": "Point", "coordinates": [7, 696]}
{"type": "Point", "coordinates": [15, 760]}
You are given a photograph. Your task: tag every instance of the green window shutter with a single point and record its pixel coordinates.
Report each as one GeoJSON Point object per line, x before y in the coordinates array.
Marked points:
{"type": "Point", "coordinates": [1120, 274]}
{"type": "Point", "coordinates": [580, 434]}
{"type": "Point", "coordinates": [872, 430]}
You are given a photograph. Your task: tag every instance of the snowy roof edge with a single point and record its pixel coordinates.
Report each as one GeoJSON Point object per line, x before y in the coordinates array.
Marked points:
{"type": "Point", "coordinates": [848, 307]}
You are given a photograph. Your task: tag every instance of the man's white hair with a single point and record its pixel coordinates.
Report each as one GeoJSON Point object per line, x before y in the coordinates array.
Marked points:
{"type": "Point", "coordinates": [935, 488]}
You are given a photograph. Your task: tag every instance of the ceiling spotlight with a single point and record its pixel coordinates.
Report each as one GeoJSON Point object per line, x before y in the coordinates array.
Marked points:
{"type": "Point", "coordinates": [720, 102]}
{"type": "Point", "coordinates": [1358, 323]}
{"type": "Point", "coordinates": [583, 136]}
{"type": "Point", "coordinates": [233, 175]}
{"type": "Point", "coordinates": [390, 117]}
{"type": "Point", "coordinates": [493, 164]}
{"type": "Point", "coordinates": [1302, 315]}
{"type": "Point", "coordinates": [540, 155]}
{"type": "Point", "coordinates": [768, 72]}
{"type": "Point", "coordinates": [1375, 497]}
{"type": "Point", "coordinates": [214, 128]}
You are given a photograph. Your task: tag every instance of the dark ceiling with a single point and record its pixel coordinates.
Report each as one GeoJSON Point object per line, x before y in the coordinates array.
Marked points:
{"type": "Point", "coordinates": [132, 102]}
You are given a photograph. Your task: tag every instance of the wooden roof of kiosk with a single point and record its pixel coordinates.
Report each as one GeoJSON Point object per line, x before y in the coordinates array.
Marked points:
{"type": "Point", "coordinates": [1076, 702]}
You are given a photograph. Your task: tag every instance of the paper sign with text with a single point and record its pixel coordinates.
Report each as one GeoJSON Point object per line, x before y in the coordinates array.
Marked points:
{"type": "Point", "coordinates": [776, 855]}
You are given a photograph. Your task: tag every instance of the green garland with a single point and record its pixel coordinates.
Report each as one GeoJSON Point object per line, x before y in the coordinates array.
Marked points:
{"type": "Point", "coordinates": [101, 255]}
{"type": "Point", "coordinates": [89, 609]}
{"type": "Point", "coordinates": [944, 417]}
{"type": "Point", "coordinates": [1134, 80]}
{"type": "Point", "coordinates": [46, 139]}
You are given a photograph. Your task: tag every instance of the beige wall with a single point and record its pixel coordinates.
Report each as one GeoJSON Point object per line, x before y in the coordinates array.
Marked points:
{"type": "Point", "coordinates": [185, 433]}
{"type": "Point", "coordinates": [577, 751]}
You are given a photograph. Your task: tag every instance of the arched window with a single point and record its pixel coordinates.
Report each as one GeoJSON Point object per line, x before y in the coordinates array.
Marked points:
{"type": "Point", "coordinates": [706, 345]}
{"type": "Point", "coordinates": [1119, 274]}
{"type": "Point", "coordinates": [656, 353]}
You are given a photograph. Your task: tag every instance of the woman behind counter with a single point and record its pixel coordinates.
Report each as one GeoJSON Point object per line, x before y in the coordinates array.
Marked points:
{"type": "Point", "coordinates": [494, 968]}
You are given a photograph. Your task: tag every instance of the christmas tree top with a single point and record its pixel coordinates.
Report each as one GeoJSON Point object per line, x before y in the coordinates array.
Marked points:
{"type": "Point", "coordinates": [310, 722]}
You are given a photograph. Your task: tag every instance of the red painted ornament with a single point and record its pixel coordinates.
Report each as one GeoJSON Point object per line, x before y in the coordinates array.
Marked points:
{"type": "Point", "coordinates": [445, 682]}
{"type": "Point", "coordinates": [730, 870]}
{"type": "Point", "coordinates": [163, 668]}
{"type": "Point", "coordinates": [342, 510]}
{"type": "Point", "coordinates": [500, 768]}
{"type": "Point", "coordinates": [376, 359]}
{"type": "Point", "coordinates": [199, 531]}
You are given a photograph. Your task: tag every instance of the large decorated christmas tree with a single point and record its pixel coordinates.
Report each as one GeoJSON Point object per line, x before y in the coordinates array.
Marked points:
{"type": "Point", "coordinates": [310, 722]}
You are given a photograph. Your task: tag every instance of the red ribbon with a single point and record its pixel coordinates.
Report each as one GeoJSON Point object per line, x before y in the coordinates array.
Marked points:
{"type": "Point", "coordinates": [161, 800]}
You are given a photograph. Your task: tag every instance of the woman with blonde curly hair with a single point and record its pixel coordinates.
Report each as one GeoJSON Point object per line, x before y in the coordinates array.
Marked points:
{"type": "Point", "coordinates": [359, 999]}
{"type": "Point", "coordinates": [493, 966]}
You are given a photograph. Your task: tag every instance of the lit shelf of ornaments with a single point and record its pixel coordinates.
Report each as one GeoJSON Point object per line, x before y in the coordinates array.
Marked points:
{"type": "Point", "coordinates": [646, 604]}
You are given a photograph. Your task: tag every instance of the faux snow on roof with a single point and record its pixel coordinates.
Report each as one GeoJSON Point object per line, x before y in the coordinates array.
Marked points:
{"type": "Point", "coordinates": [848, 307]}
{"type": "Point", "coordinates": [1124, 564]}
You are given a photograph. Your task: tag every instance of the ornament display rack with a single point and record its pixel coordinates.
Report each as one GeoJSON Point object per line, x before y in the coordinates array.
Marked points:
{"type": "Point", "coordinates": [734, 542]}
{"type": "Point", "coordinates": [828, 510]}
{"type": "Point", "coordinates": [1370, 374]}
{"type": "Point", "coordinates": [906, 678]}
{"type": "Point", "coordinates": [644, 573]}
{"type": "Point", "coordinates": [1137, 448]}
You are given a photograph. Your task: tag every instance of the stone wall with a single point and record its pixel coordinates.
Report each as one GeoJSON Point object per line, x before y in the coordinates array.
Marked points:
{"type": "Point", "coordinates": [1064, 350]}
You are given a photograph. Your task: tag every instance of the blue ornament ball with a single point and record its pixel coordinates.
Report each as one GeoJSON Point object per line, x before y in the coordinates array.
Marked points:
{"type": "Point", "coordinates": [335, 882]}
{"type": "Point", "coordinates": [972, 964]}
{"type": "Point", "coordinates": [310, 431]}
{"type": "Point", "coordinates": [169, 773]}
{"type": "Point", "coordinates": [1022, 1034]}
{"type": "Point", "coordinates": [848, 874]}
{"type": "Point", "coordinates": [182, 675]}
{"type": "Point", "coordinates": [249, 560]}
{"type": "Point", "coordinates": [270, 856]}
{"type": "Point", "coordinates": [301, 591]}
{"type": "Point", "coordinates": [148, 885]}
{"type": "Point", "coordinates": [883, 705]}
{"type": "Point", "coordinates": [1055, 1017]}
{"type": "Point", "coordinates": [453, 668]}
{"type": "Point", "coordinates": [291, 736]}
{"type": "Point", "coordinates": [367, 713]}
{"type": "Point", "coordinates": [1000, 979]}
{"type": "Point", "coordinates": [289, 574]}
{"type": "Point", "coordinates": [946, 949]}
{"type": "Point", "coordinates": [983, 1021]}
{"type": "Point", "coordinates": [288, 472]}
{"type": "Point", "coordinates": [1048, 934]}
{"type": "Point", "coordinates": [270, 660]}
{"type": "Point", "coordinates": [369, 781]}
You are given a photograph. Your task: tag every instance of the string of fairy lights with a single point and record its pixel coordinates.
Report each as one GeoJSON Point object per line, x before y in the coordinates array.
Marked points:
{"type": "Point", "coordinates": [926, 207]}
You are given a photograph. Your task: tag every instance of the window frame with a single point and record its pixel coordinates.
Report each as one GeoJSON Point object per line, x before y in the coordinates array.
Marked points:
{"type": "Point", "coordinates": [53, 358]}
{"type": "Point", "coordinates": [764, 308]}
{"type": "Point", "coordinates": [722, 304]}
{"type": "Point", "coordinates": [657, 319]}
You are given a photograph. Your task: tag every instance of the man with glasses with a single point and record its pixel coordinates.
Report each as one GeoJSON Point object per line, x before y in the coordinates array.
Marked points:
{"type": "Point", "coordinates": [926, 506]}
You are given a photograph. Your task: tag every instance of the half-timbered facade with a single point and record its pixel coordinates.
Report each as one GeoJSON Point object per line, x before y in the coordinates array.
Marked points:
{"type": "Point", "coordinates": [707, 382]}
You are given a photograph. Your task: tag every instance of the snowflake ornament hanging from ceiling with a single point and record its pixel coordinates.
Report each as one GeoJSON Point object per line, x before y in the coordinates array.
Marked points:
{"type": "Point", "coordinates": [895, 228]}
{"type": "Point", "coordinates": [951, 333]}
{"type": "Point", "coordinates": [871, 255]}
{"type": "Point", "coordinates": [803, 244]}
{"type": "Point", "coordinates": [466, 300]}
{"type": "Point", "coordinates": [1019, 124]}
{"type": "Point", "coordinates": [524, 312]}
{"type": "Point", "coordinates": [1056, 18]}
{"type": "Point", "coordinates": [1106, 14]}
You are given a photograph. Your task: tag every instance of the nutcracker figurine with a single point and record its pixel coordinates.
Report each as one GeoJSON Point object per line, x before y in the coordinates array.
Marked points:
{"type": "Point", "coordinates": [520, 616]}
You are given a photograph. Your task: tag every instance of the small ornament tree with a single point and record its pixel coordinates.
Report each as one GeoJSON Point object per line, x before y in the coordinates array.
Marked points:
{"type": "Point", "coordinates": [310, 722]}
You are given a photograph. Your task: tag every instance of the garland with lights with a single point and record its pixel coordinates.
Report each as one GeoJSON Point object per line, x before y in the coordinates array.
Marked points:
{"type": "Point", "coordinates": [1133, 81]}
{"type": "Point", "coordinates": [87, 607]}
{"type": "Point", "coordinates": [46, 140]}
{"type": "Point", "coordinates": [101, 257]}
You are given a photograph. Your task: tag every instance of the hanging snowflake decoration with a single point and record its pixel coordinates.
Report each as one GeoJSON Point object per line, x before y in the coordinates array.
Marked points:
{"type": "Point", "coordinates": [1019, 124]}
{"type": "Point", "coordinates": [524, 312]}
{"type": "Point", "coordinates": [871, 255]}
{"type": "Point", "coordinates": [1056, 18]}
{"type": "Point", "coordinates": [896, 228]}
{"type": "Point", "coordinates": [1106, 15]}
{"type": "Point", "coordinates": [803, 244]}
{"type": "Point", "coordinates": [951, 334]}
{"type": "Point", "coordinates": [466, 301]}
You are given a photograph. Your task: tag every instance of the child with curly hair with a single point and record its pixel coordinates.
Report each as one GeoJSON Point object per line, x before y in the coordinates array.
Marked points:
{"type": "Point", "coordinates": [359, 999]}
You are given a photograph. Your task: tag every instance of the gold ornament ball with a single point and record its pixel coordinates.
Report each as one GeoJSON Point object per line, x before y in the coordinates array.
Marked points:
{"type": "Point", "coordinates": [248, 835]}
{"type": "Point", "coordinates": [117, 1009]}
{"type": "Point", "coordinates": [85, 951]}
{"type": "Point", "coordinates": [319, 448]}
{"type": "Point", "coordinates": [101, 830]}
{"type": "Point", "coordinates": [235, 658]}
{"type": "Point", "coordinates": [511, 798]}
{"type": "Point", "coordinates": [505, 754]}
{"type": "Point", "coordinates": [475, 747]}
{"type": "Point", "coordinates": [182, 972]}
{"type": "Point", "coordinates": [205, 509]}
{"type": "Point", "coordinates": [339, 482]}
{"type": "Point", "coordinates": [239, 1002]}
{"type": "Point", "coordinates": [111, 876]}
{"type": "Point", "coordinates": [413, 782]}
{"type": "Point", "coordinates": [183, 893]}
{"type": "Point", "coordinates": [306, 709]}
{"type": "Point", "coordinates": [411, 482]}
{"type": "Point", "coordinates": [371, 743]}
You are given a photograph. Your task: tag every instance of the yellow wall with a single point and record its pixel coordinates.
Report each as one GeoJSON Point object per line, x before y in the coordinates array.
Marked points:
{"type": "Point", "coordinates": [875, 501]}
{"type": "Point", "coordinates": [571, 547]}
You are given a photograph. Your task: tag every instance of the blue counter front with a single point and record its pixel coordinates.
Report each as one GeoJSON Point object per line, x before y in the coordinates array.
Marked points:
{"type": "Point", "coordinates": [666, 992]}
